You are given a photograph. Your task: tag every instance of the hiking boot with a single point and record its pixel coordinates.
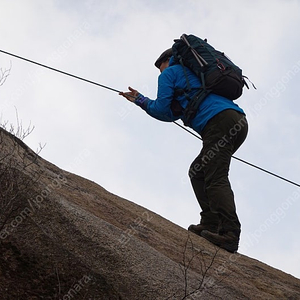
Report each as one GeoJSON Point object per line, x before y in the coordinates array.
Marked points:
{"type": "Point", "coordinates": [228, 241]}
{"type": "Point", "coordinates": [197, 229]}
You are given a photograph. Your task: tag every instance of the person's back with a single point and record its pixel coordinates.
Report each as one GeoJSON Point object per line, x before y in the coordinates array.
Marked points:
{"type": "Point", "coordinates": [211, 105]}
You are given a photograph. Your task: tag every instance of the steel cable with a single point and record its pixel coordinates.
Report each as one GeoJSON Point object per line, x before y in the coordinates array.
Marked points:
{"type": "Point", "coordinates": [115, 90]}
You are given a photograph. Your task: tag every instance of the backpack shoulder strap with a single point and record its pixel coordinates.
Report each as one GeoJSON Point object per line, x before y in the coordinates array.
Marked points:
{"type": "Point", "coordinates": [193, 105]}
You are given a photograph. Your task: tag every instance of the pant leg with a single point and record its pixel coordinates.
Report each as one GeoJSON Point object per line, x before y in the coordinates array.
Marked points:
{"type": "Point", "coordinates": [196, 175]}
{"type": "Point", "coordinates": [222, 136]}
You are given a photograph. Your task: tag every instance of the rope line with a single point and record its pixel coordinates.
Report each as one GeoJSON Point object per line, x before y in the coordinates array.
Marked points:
{"type": "Point", "coordinates": [246, 162]}
{"type": "Point", "coordinates": [59, 71]}
{"type": "Point", "coordinates": [115, 90]}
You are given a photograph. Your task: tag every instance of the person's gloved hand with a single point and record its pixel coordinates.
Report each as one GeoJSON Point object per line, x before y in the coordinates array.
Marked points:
{"type": "Point", "coordinates": [131, 95]}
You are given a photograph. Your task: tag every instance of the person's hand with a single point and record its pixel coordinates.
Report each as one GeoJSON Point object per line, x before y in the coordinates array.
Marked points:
{"type": "Point", "coordinates": [131, 95]}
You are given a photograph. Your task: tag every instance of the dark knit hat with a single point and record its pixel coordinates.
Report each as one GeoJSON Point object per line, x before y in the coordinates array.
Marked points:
{"type": "Point", "coordinates": [163, 57]}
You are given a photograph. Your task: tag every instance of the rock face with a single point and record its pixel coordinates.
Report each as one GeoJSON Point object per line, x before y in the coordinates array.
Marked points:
{"type": "Point", "coordinates": [65, 237]}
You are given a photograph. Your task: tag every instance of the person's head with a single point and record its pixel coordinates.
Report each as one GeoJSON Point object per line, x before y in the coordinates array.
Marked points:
{"type": "Point", "coordinates": [163, 61]}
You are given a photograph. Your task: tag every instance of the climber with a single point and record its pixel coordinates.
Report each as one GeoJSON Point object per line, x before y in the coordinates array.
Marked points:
{"type": "Point", "coordinates": [223, 127]}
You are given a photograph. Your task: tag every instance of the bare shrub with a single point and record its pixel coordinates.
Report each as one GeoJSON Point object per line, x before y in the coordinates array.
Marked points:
{"type": "Point", "coordinates": [17, 177]}
{"type": "Point", "coordinates": [4, 74]}
{"type": "Point", "coordinates": [209, 284]}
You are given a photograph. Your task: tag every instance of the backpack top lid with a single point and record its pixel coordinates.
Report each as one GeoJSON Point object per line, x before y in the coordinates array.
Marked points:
{"type": "Point", "coordinates": [163, 57]}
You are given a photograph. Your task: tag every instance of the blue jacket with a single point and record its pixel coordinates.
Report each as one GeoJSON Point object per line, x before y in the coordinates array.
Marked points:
{"type": "Point", "coordinates": [173, 78]}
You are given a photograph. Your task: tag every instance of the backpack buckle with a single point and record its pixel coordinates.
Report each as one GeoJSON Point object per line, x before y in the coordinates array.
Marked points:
{"type": "Point", "coordinates": [220, 65]}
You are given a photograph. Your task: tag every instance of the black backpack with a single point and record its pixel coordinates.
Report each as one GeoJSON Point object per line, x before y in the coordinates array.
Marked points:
{"type": "Point", "coordinates": [217, 73]}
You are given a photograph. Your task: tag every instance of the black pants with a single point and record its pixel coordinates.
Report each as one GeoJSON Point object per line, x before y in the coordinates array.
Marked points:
{"type": "Point", "coordinates": [222, 136]}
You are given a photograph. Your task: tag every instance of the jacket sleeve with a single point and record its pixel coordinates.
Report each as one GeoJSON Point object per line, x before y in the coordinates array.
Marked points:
{"type": "Point", "coordinates": [161, 107]}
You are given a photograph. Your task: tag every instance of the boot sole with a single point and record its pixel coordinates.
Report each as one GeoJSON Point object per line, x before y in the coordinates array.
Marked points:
{"type": "Point", "coordinates": [230, 247]}
{"type": "Point", "coordinates": [200, 232]}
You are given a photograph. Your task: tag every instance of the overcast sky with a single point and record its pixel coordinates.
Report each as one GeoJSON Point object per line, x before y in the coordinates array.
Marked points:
{"type": "Point", "coordinates": [97, 134]}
